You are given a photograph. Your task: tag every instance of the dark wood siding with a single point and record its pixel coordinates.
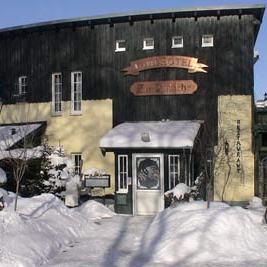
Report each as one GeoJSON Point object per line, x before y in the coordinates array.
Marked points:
{"type": "Point", "coordinates": [38, 54]}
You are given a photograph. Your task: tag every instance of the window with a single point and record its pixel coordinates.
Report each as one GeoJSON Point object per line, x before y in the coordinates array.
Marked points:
{"type": "Point", "coordinates": [148, 43]}
{"type": "Point", "coordinates": [207, 40]}
{"type": "Point", "coordinates": [177, 41]}
{"type": "Point", "coordinates": [120, 46]}
{"type": "Point", "coordinates": [56, 93]}
{"type": "Point", "coordinates": [77, 161]}
{"type": "Point", "coordinates": [122, 173]}
{"type": "Point", "coordinates": [174, 170]}
{"type": "Point", "coordinates": [23, 83]}
{"type": "Point", "coordinates": [76, 92]}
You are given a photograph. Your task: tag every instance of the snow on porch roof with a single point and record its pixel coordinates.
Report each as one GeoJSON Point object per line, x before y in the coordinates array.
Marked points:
{"type": "Point", "coordinates": [11, 134]}
{"type": "Point", "coordinates": [163, 134]}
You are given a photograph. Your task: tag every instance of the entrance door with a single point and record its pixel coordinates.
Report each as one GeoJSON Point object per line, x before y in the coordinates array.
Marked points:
{"type": "Point", "coordinates": [148, 186]}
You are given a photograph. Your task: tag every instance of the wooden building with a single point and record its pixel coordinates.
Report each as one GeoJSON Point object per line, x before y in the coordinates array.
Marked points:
{"type": "Point", "coordinates": [260, 133]}
{"type": "Point", "coordinates": [150, 97]}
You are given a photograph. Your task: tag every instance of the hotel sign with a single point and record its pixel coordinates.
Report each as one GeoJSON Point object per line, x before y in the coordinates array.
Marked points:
{"type": "Point", "coordinates": [173, 87]}
{"type": "Point", "coordinates": [189, 63]}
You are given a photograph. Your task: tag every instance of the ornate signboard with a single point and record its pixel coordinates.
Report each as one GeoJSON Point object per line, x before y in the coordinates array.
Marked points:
{"type": "Point", "coordinates": [174, 87]}
{"type": "Point", "coordinates": [189, 63]}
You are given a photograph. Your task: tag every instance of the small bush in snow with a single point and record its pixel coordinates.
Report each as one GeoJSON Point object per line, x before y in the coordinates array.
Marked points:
{"type": "Point", "coordinates": [57, 169]}
{"type": "Point", "coordinates": [183, 193]}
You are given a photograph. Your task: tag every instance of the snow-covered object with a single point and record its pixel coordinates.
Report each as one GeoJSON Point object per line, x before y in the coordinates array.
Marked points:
{"type": "Point", "coordinates": [11, 134]}
{"type": "Point", "coordinates": [3, 193]}
{"type": "Point", "coordinates": [192, 234]}
{"type": "Point", "coordinates": [22, 153]}
{"type": "Point", "coordinates": [72, 191]}
{"type": "Point", "coordinates": [60, 169]}
{"type": "Point", "coordinates": [255, 203]}
{"type": "Point", "coordinates": [189, 235]}
{"type": "Point", "coordinates": [57, 160]}
{"type": "Point", "coordinates": [94, 172]}
{"type": "Point", "coordinates": [3, 178]}
{"type": "Point", "coordinates": [179, 191]}
{"type": "Point", "coordinates": [166, 134]}
{"type": "Point", "coordinates": [42, 227]}
{"type": "Point", "coordinates": [93, 209]}
{"type": "Point", "coordinates": [6, 197]}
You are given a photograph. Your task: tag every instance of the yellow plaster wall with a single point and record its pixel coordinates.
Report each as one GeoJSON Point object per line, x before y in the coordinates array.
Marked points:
{"type": "Point", "coordinates": [77, 133]}
{"type": "Point", "coordinates": [239, 186]}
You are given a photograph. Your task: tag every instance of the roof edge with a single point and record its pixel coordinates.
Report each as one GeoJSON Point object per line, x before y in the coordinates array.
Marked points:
{"type": "Point", "coordinates": [120, 17]}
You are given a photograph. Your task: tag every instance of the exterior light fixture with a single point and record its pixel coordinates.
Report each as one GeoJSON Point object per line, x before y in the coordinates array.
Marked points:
{"type": "Point", "coordinates": [226, 148]}
{"type": "Point", "coordinates": [145, 137]}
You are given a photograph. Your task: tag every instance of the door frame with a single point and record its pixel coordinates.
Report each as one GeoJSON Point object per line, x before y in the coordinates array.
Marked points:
{"type": "Point", "coordinates": [134, 156]}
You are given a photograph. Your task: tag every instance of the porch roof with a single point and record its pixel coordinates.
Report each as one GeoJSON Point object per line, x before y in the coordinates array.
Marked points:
{"type": "Point", "coordinates": [12, 134]}
{"type": "Point", "coordinates": [151, 134]}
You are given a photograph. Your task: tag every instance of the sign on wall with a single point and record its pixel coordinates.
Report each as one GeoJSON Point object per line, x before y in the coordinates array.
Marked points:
{"type": "Point", "coordinates": [238, 147]}
{"type": "Point", "coordinates": [189, 63]}
{"type": "Point", "coordinates": [174, 87]}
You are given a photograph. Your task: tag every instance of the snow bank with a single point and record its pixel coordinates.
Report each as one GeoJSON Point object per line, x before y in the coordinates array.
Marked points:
{"type": "Point", "coordinates": [179, 191]}
{"type": "Point", "coordinates": [42, 226]}
{"type": "Point", "coordinates": [191, 233]}
{"type": "Point", "coordinates": [3, 178]}
{"type": "Point", "coordinates": [255, 203]}
{"type": "Point", "coordinates": [95, 210]}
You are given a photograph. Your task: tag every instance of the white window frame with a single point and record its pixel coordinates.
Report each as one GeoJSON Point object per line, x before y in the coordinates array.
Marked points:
{"type": "Point", "coordinates": [22, 86]}
{"type": "Point", "coordinates": [57, 90]}
{"type": "Point", "coordinates": [177, 45]}
{"type": "Point", "coordinates": [148, 47]}
{"type": "Point", "coordinates": [209, 44]}
{"type": "Point", "coordinates": [177, 171]}
{"type": "Point", "coordinates": [118, 48]}
{"type": "Point", "coordinates": [77, 167]}
{"type": "Point", "coordinates": [78, 92]}
{"type": "Point", "coordinates": [123, 170]}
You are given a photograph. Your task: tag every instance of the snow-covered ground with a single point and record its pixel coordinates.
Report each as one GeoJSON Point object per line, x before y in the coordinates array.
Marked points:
{"type": "Point", "coordinates": [45, 232]}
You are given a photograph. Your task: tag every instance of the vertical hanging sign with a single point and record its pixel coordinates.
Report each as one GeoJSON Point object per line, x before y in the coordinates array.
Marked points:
{"type": "Point", "coordinates": [238, 147]}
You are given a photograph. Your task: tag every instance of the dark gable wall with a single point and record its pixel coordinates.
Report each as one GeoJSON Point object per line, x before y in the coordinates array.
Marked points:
{"type": "Point", "coordinates": [91, 50]}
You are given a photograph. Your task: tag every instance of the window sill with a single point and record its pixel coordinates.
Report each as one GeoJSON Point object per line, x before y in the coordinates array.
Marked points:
{"type": "Point", "coordinates": [148, 48]}
{"type": "Point", "coordinates": [122, 191]}
{"type": "Point", "coordinates": [56, 114]}
{"type": "Point", "coordinates": [120, 50]}
{"type": "Point", "coordinates": [76, 113]}
{"type": "Point", "coordinates": [211, 45]}
{"type": "Point", "coordinates": [177, 46]}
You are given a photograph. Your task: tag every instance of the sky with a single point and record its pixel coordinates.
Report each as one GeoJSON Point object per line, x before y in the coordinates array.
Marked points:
{"type": "Point", "coordinates": [20, 12]}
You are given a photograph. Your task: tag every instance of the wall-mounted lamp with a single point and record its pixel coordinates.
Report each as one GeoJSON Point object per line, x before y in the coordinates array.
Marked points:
{"type": "Point", "coordinates": [226, 148]}
{"type": "Point", "coordinates": [145, 137]}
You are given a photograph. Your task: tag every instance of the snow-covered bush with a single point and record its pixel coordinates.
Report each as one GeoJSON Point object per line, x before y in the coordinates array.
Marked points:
{"type": "Point", "coordinates": [92, 172]}
{"type": "Point", "coordinates": [181, 192]}
{"type": "Point", "coordinates": [255, 203]}
{"type": "Point", "coordinates": [57, 169]}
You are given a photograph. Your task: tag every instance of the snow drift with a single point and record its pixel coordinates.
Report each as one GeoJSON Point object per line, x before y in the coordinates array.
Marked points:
{"type": "Point", "coordinates": [188, 235]}
{"type": "Point", "coordinates": [42, 226]}
{"type": "Point", "coordinates": [191, 233]}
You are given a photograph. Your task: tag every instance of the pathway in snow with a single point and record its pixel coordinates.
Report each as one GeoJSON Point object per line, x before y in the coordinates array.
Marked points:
{"type": "Point", "coordinates": [117, 242]}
